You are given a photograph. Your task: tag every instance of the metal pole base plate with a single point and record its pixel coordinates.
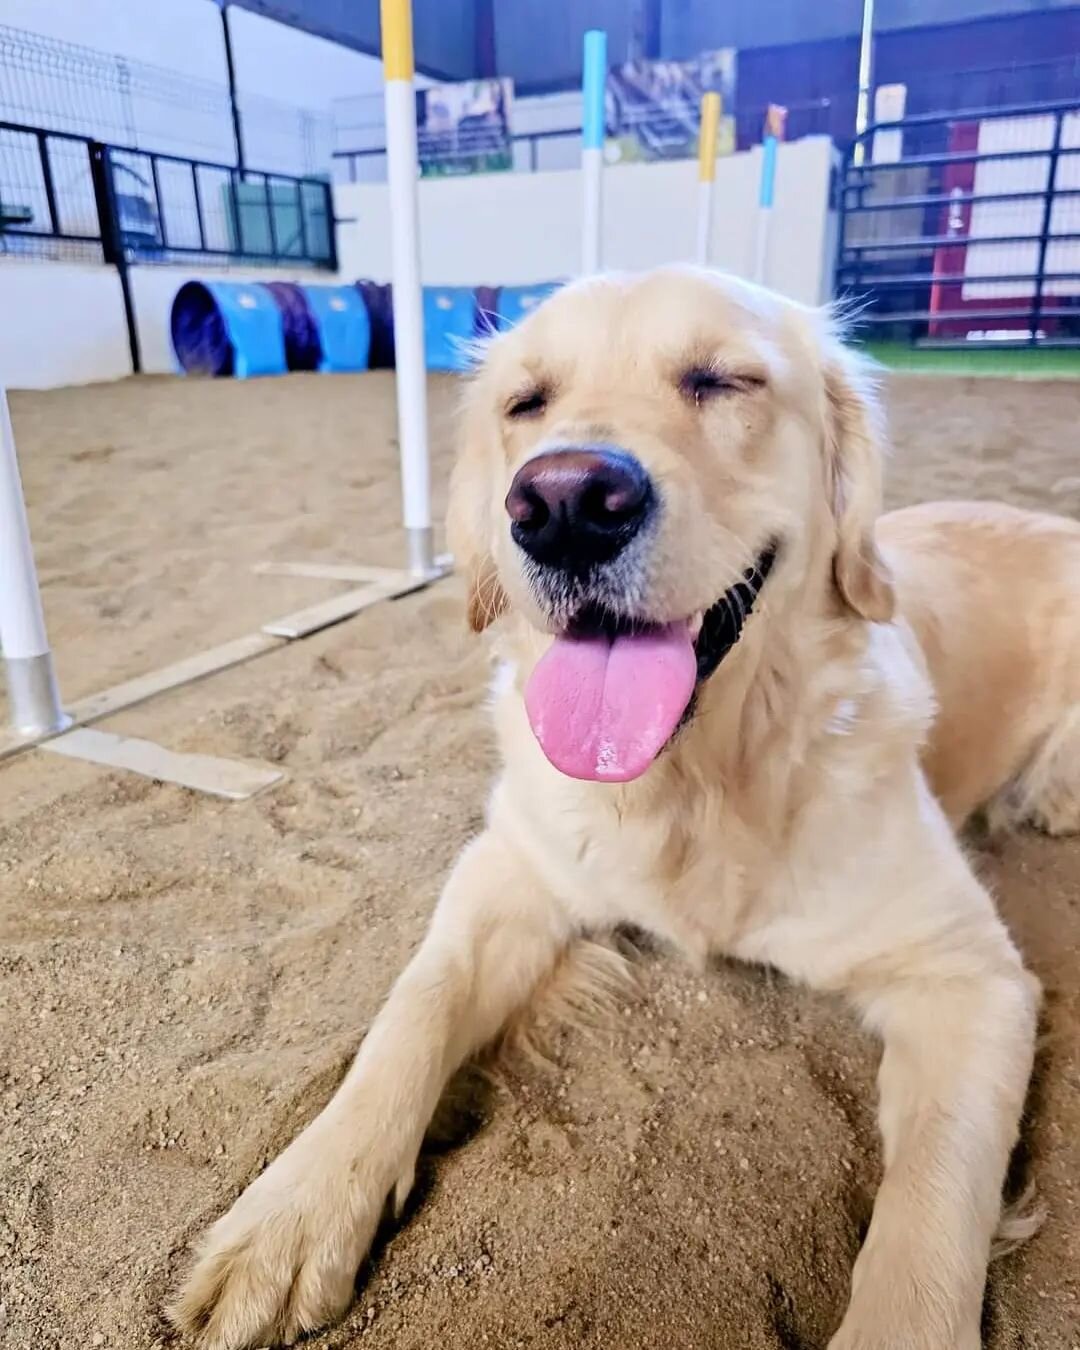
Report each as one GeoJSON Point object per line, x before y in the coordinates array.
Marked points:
{"type": "Point", "coordinates": [35, 700]}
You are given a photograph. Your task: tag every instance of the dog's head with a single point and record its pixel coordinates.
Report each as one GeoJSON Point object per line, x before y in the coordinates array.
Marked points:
{"type": "Point", "coordinates": [643, 457]}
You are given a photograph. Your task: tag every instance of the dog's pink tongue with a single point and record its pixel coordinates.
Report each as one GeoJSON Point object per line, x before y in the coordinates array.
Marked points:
{"type": "Point", "coordinates": [604, 708]}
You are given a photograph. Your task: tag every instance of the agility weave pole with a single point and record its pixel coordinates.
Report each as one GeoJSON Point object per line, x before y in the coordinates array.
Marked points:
{"type": "Point", "coordinates": [24, 643]}
{"type": "Point", "coordinates": [410, 373]}
{"type": "Point", "coordinates": [708, 142]}
{"type": "Point", "coordinates": [775, 119]}
{"type": "Point", "coordinates": [594, 82]}
{"type": "Point", "coordinates": [403, 170]}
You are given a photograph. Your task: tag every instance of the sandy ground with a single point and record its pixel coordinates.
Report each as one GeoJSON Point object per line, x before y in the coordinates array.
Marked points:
{"type": "Point", "coordinates": [183, 980]}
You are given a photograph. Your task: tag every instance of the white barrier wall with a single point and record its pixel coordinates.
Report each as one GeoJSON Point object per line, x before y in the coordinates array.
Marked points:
{"type": "Point", "coordinates": [512, 229]}
{"type": "Point", "coordinates": [60, 323]}
{"type": "Point", "coordinates": [63, 323]}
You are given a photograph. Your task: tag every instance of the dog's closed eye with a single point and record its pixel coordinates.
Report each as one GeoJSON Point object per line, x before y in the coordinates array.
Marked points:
{"type": "Point", "coordinates": [527, 403]}
{"type": "Point", "coordinates": [702, 384]}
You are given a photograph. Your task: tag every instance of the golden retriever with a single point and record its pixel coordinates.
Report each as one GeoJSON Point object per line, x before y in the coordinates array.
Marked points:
{"type": "Point", "coordinates": [738, 711]}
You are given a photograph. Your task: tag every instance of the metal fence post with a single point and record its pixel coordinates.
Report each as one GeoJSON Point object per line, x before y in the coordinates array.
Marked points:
{"type": "Point", "coordinates": [48, 181]}
{"type": "Point", "coordinates": [234, 104]}
{"type": "Point", "coordinates": [112, 241]}
{"type": "Point", "coordinates": [331, 226]}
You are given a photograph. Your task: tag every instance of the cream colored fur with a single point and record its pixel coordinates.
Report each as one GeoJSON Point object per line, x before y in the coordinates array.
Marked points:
{"type": "Point", "coordinates": [794, 822]}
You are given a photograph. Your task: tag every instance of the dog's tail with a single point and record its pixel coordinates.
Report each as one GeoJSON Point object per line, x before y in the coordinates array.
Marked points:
{"type": "Point", "coordinates": [1020, 1219]}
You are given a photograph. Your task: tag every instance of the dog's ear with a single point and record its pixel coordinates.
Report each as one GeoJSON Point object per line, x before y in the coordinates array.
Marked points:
{"type": "Point", "coordinates": [468, 521]}
{"type": "Point", "coordinates": [854, 454]}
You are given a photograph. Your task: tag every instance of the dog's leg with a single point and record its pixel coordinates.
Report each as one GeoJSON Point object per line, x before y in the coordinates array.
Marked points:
{"type": "Point", "coordinates": [1047, 792]}
{"type": "Point", "coordinates": [284, 1258]}
{"type": "Point", "coordinates": [957, 1013]}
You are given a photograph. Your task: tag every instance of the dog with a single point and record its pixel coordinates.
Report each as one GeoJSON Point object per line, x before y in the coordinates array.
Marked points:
{"type": "Point", "coordinates": [736, 710]}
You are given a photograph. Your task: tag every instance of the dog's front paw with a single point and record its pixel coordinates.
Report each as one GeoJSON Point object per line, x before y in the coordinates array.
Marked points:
{"type": "Point", "coordinates": [284, 1259]}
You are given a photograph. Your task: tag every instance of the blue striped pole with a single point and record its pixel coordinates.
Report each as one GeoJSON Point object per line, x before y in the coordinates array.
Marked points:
{"type": "Point", "coordinates": [594, 81]}
{"type": "Point", "coordinates": [774, 132]}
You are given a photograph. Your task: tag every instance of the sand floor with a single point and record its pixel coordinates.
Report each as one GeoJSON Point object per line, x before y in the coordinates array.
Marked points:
{"type": "Point", "coordinates": [183, 980]}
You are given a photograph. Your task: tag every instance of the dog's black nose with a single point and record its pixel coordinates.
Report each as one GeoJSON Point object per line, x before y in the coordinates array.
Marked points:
{"type": "Point", "coordinates": [573, 508]}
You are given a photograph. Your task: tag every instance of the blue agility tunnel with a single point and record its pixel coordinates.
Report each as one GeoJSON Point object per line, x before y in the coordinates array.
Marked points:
{"type": "Point", "coordinates": [303, 350]}
{"type": "Point", "coordinates": [326, 327]}
{"type": "Point", "coordinates": [343, 324]}
{"type": "Point", "coordinates": [518, 302]}
{"type": "Point", "coordinates": [449, 325]}
{"type": "Point", "coordinates": [227, 328]}
{"type": "Point", "coordinates": [378, 301]}
{"type": "Point", "coordinates": [487, 310]}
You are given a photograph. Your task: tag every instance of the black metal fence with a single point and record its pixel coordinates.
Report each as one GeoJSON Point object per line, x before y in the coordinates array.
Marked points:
{"type": "Point", "coordinates": [63, 195]}
{"type": "Point", "coordinates": [69, 197]}
{"type": "Point", "coordinates": [964, 228]}
{"type": "Point", "coordinates": [170, 208]}
{"type": "Point", "coordinates": [49, 193]}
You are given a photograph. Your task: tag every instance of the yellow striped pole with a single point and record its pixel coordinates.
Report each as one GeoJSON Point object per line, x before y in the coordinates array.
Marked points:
{"type": "Point", "coordinates": [708, 140]}
{"type": "Point", "coordinates": [397, 43]}
{"type": "Point", "coordinates": [403, 171]}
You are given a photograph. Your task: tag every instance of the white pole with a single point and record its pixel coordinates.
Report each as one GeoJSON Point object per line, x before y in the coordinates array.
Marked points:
{"type": "Point", "coordinates": [592, 149]}
{"type": "Point", "coordinates": [592, 167]}
{"type": "Point", "coordinates": [35, 700]}
{"type": "Point", "coordinates": [866, 80]}
{"type": "Point", "coordinates": [411, 377]}
{"type": "Point", "coordinates": [708, 139]}
{"type": "Point", "coordinates": [703, 247]}
{"type": "Point", "coordinates": [761, 245]}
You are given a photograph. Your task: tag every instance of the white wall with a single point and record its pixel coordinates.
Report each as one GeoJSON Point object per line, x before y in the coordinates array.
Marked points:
{"type": "Point", "coordinates": [62, 323]}
{"type": "Point", "coordinates": [510, 229]}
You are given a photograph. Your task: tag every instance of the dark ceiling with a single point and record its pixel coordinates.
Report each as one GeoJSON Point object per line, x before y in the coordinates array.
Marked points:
{"type": "Point", "coordinates": [538, 42]}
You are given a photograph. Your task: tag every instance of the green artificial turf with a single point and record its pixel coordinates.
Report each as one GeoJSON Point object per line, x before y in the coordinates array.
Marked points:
{"type": "Point", "coordinates": [1031, 363]}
